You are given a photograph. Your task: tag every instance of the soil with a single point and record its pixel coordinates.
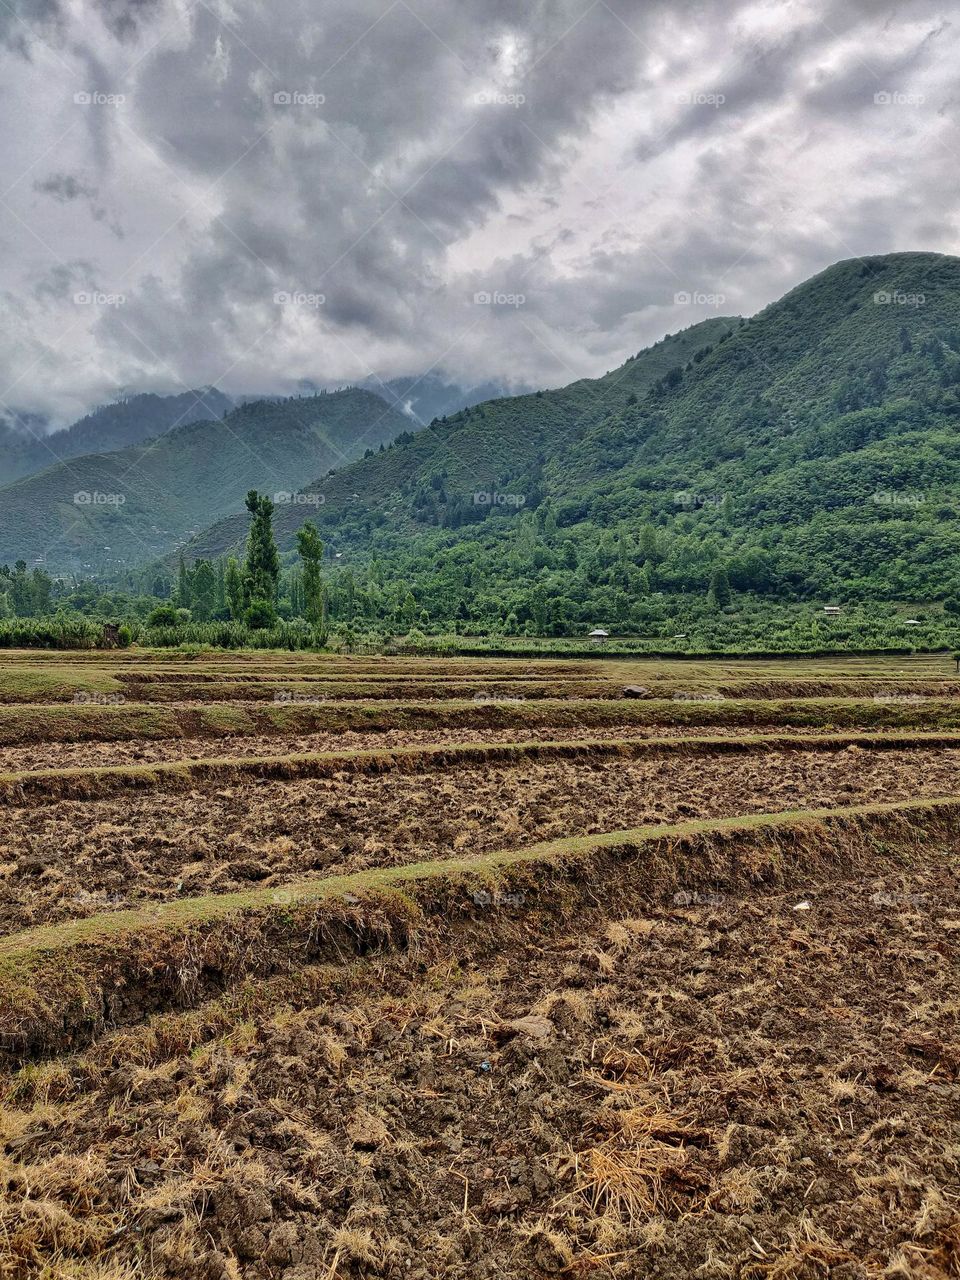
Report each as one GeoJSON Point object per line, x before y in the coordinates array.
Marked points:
{"type": "Point", "coordinates": [64, 755]}
{"type": "Point", "coordinates": [715, 1090]}
{"type": "Point", "coordinates": [77, 858]}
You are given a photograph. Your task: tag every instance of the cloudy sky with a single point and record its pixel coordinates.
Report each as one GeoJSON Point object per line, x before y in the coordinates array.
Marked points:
{"type": "Point", "coordinates": [253, 192]}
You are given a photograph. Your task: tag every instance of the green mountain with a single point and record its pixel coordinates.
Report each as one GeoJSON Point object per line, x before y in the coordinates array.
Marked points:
{"type": "Point", "coordinates": [809, 453]}
{"type": "Point", "coordinates": [432, 476]}
{"type": "Point", "coordinates": [106, 511]}
{"type": "Point", "coordinates": [26, 446]}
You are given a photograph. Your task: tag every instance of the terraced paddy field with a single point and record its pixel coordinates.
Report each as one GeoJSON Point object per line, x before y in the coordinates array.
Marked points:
{"type": "Point", "coordinates": [545, 980]}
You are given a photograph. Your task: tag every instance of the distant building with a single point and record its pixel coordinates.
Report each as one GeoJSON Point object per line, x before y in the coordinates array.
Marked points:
{"type": "Point", "coordinates": [598, 635]}
{"type": "Point", "coordinates": [912, 622]}
{"type": "Point", "coordinates": [832, 610]}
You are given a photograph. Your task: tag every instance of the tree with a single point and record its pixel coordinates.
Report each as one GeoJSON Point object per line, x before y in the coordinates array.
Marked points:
{"type": "Point", "coordinates": [719, 593]}
{"type": "Point", "coordinates": [260, 614]}
{"type": "Point", "coordinates": [233, 586]}
{"type": "Point", "coordinates": [183, 595]}
{"type": "Point", "coordinates": [41, 588]}
{"type": "Point", "coordinates": [408, 611]}
{"type": "Point", "coordinates": [21, 597]}
{"type": "Point", "coordinates": [262, 569]}
{"type": "Point", "coordinates": [310, 547]}
{"type": "Point", "coordinates": [204, 591]}
{"type": "Point", "coordinates": [164, 615]}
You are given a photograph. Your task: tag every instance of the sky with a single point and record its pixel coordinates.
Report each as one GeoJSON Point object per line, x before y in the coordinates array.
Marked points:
{"type": "Point", "coordinates": [267, 194]}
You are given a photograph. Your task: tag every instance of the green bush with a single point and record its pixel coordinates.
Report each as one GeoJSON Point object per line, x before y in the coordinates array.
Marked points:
{"type": "Point", "coordinates": [260, 614]}
{"type": "Point", "coordinates": [164, 615]}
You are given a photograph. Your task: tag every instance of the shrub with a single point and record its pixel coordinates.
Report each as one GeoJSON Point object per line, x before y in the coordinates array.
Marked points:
{"type": "Point", "coordinates": [259, 615]}
{"type": "Point", "coordinates": [164, 615]}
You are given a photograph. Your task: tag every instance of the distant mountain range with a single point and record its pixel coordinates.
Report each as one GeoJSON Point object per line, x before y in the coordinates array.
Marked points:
{"type": "Point", "coordinates": [105, 511]}
{"type": "Point", "coordinates": [430, 396]}
{"type": "Point", "coordinates": [27, 446]}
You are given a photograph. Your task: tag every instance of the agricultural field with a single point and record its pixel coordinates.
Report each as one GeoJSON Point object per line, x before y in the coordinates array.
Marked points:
{"type": "Point", "coordinates": [318, 967]}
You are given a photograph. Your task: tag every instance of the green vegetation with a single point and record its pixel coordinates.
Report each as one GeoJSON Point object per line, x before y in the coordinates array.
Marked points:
{"type": "Point", "coordinates": [713, 494]}
{"type": "Point", "coordinates": [806, 455]}
{"type": "Point", "coordinates": [104, 512]}
{"type": "Point", "coordinates": [129, 420]}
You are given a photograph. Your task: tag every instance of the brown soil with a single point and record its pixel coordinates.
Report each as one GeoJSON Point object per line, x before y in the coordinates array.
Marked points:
{"type": "Point", "coordinates": [716, 1090]}
{"type": "Point", "coordinates": [64, 755]}
{"type": "Point", "coordinates": [74, 859]}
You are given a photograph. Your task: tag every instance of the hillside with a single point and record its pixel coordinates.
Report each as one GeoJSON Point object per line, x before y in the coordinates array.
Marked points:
{"type": "Point", "coordinates": [104, 511]}
{"type": "Point", "coordinates": [498, 445]}
{"type": "Point", "coordinates": [26, 447]}
{"type": "Point", "coordinates": [811, 453]}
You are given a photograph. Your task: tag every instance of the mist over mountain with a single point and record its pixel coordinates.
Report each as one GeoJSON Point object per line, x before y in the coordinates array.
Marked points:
{"type": "Point", "coordinates": [28, 445]}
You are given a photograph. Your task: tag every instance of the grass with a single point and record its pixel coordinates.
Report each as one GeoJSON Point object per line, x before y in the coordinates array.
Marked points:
{"type": "Point", "coordinates": [22, 724]}
{"type": "Point", "coordinates": [55, 681]}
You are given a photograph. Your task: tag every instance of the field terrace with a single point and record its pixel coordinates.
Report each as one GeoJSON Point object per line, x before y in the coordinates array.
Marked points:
{"type": "Point", "coordinates": [347, 967]}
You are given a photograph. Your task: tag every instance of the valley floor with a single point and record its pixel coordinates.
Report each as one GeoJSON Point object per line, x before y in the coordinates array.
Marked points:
{"type": "Point", "coordinates": [530, 995]}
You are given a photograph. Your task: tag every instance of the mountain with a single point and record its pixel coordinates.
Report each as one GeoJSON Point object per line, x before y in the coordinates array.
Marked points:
{"type": "Point", "coordinates": [27, 446]}
{"type": "Point", "coordinates": [430, 396]}
{"type": "Point", "coordinates": [809, 453]}
{"type": "Point", "coordinates": [501, 444]}
{"type": "Point", "coordinates": [128, 506]}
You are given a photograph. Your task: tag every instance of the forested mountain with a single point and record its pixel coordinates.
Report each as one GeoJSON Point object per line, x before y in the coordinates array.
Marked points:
{"type": "Point", "coordinates": [27, 447]}
{"type": "Point", "coordinates": [431, 476]}
{"type": "Point", "coordinates": [811, 452]}
{"type": "Point", "coordinates": [106, 511]}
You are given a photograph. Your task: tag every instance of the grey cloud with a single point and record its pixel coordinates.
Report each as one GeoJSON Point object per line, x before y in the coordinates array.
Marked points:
{"type": "Point", "coordinates": [577, 179]}
{"type": "Point", "coordinates": [64, 187]}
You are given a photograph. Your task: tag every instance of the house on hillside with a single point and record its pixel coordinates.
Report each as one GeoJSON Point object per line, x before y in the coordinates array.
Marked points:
{"type": "Point", "coordinates": [831, 610]}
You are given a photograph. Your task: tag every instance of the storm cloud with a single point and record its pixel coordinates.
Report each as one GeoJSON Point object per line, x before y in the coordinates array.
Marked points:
{"type": "Point", "coordinates": [258, 196]}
